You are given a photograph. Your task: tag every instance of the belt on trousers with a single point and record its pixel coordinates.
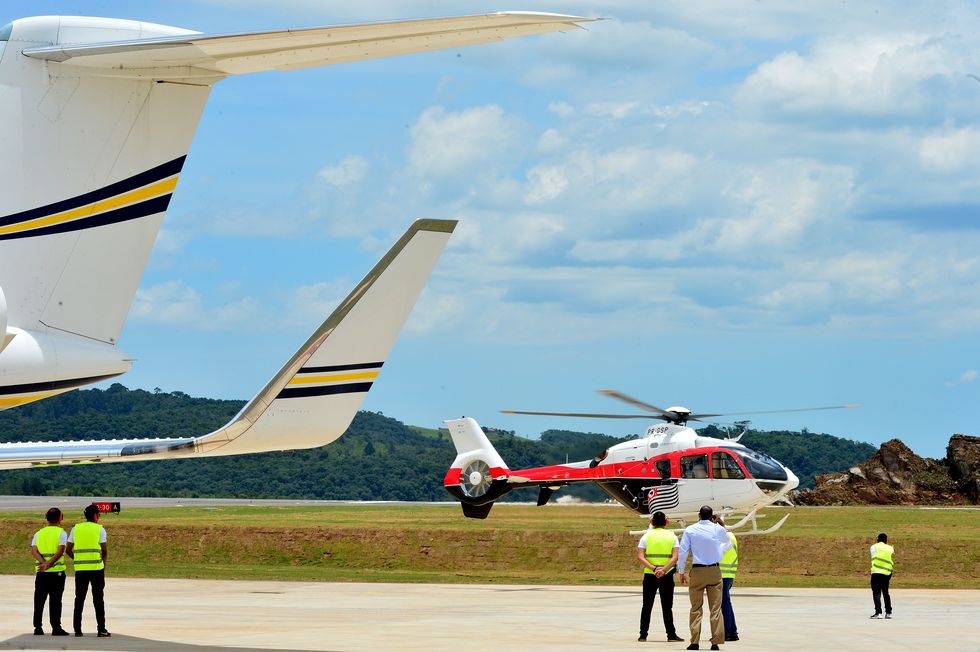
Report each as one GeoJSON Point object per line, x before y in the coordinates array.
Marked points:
{"type": "Point", "coordinates": [705, 565]}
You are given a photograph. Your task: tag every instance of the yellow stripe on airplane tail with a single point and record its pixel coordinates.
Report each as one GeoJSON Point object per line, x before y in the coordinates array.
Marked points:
{"type": "Point", "coordinates": [14, 401]}
{"type": "Point", "coordinates": [309, 380]}
{"type": "Point", "coordinates": [132, 197]}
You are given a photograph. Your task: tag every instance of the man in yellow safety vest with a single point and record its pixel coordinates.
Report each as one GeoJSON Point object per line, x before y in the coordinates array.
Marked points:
{"type": "Point", "coordinates": [881, 574]}
{"type": "Point", "coordinates": [87, 546]}
{"type": "Point", "coordinates": [729, 567]}
{"type": "Point", "coordinates": [48, 548]}
{"type": "Point", "coordinates": [657, 552]}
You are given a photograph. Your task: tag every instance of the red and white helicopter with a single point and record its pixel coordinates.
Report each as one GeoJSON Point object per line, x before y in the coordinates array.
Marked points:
{"type": "Point", "coordinates": [672, 469]}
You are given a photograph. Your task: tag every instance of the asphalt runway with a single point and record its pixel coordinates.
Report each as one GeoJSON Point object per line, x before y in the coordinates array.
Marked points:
{"type": "Point", "coordinates": [235, 616]}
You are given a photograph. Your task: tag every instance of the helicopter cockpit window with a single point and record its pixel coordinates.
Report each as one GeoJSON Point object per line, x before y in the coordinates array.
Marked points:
{"type": "Point", "coordinates": [663, 468]}
{"type": "Point", "coordinates": [761, 466]}
{"type": "Point", "coordinates": [724, 467]}
{"type": "Point", "coordinates": [694, 467]}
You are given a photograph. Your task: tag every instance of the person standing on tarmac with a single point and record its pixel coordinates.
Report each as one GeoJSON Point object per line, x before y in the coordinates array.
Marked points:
{"type": "Point", "coordinates": [87, 546]}
{"type": "Point", "coordinates": [881, 574]}
{"type": "Point", "coordinates": [48, 549]}
{"type": "Point", "coordinates": [706, 541]}
{"type": "Point", "coordinates": [729, 567]}
{"type": "Point", "coordinates": [657, 552]}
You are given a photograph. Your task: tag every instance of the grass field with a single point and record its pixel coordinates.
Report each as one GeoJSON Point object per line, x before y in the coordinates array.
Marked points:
{"type": "Point", "coordinates": [556, 544]}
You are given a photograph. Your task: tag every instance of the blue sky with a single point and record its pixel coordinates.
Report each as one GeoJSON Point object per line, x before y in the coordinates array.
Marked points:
{"type": "Point", "coordinates": [723, 205]}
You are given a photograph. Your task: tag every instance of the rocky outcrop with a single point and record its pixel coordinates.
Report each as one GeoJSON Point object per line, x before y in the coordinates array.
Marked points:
{"type": "Point", "coordinates": [897, 476]}
{"type": "Point", "coordinates": [963, 459]}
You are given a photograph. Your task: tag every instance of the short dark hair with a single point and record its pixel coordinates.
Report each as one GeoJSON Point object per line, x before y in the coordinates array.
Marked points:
{"type": "Point", "coordinates": [659, 519]}
{"type": "Point", "coordinates": [91, 511]}
{"type": "Point", "coordinates": [53, 515]}
{"type": "Point", "coordinates": [882, 538]}
{"type": "Point", "coordinates": [705, 513]}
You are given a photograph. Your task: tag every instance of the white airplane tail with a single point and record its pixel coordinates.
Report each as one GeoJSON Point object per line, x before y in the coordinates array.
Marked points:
{"type": "Point", "coordinates": [314, 397]}
{"type": "Point", "coordinates": [96, 118]}
{"type": "Point", "coordinates": [91, 164]}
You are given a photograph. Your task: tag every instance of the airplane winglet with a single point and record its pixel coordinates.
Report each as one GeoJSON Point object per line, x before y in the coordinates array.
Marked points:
{"type": "Point", "coordinates": [195, 55]}
{"type": "Point", "coordinates": [315, 395]}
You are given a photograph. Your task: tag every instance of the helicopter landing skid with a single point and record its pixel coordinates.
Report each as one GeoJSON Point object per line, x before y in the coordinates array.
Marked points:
{"type": "Point", "coordinates": [750, 517]}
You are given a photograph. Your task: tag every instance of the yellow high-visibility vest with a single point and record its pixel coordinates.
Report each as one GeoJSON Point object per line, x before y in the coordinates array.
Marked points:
{"type": "Point", "coordinates": [882, 561]}
{"type": "Point", "coordinates": [87, 551]}
{"type": "Point", "coordinates": [729, 561]}
{"type": "Point", "coordinates": [48, 542]}
{"type": "Point", "coordinates": [660, 547]}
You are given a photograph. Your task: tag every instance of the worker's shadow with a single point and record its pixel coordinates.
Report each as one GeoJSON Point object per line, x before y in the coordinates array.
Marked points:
{"type": "Point", "coordinates": [117, 642]}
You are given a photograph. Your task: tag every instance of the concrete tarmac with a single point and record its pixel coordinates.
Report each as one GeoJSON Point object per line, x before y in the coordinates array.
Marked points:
{"type": "Point", "coordinates": [239, 616]}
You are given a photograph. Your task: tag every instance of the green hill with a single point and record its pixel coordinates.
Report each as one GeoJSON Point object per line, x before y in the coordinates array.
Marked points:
{"type": "Point", "coordinates": [379, 458]}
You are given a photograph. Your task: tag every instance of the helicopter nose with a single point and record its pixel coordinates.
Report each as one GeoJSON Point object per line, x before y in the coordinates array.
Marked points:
{"type": "Point", "coordinates": [792, 482]}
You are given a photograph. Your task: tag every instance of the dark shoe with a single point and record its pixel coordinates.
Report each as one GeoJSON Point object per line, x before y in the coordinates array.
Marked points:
{"type": "Point", "coordinates": [78, 633]}
{"type": "Point", "coordinates": [714, 646]}
{"type": "Point", "coordinates": [38, 631]}
{"type": "Point", "coordinates": [733, 637]}
{"type": "Point", "coordinates": [693, 646]}
{"type": "Point", "coordinates": [674, 639]}
{"type": "Point", "coordinates": [642, 639]}
{"type": "Point", "coordinates": [103, 633]}
{"type": "Point", "coordinates": [59, 632]}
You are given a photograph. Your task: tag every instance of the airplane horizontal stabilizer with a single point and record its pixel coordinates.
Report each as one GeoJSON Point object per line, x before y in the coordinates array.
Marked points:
{"type": "Point", "coordinates": [203, 55]}
{"type": "Point", "coordinates": [316, 394]}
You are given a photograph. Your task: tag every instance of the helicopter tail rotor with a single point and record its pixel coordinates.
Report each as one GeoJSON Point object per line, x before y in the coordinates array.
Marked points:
{"type": "Point", "coordinates": [478, 476]}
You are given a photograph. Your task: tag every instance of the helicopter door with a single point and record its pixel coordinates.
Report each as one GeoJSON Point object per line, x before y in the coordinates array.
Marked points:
{"type": "Point", "coordinates": [731, 487]}
{"type": "Point", "coordinates": [695, 484]}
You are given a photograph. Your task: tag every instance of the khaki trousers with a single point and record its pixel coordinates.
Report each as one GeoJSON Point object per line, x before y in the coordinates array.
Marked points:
{"type": "Point", "coordinates": [706, 579]}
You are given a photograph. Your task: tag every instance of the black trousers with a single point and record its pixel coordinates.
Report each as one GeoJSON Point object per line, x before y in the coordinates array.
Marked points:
{"type": "Point", "coordinates": [48, 587]}
{"type": "Point", "coordinates": [879, 587]}
{"type": "Point", "coordinates": [651, 585]}
{"type": "Point", "coordinates": [95, 578]}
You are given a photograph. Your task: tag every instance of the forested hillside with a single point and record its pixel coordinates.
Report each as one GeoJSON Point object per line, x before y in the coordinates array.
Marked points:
{"type": "Point", "coordinates": [379, 458]}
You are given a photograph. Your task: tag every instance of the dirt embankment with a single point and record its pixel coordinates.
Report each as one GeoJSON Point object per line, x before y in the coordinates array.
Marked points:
{"type": "Point", "coordinates": [897, 476]}
{"type": "Point", "coordinates": [508, 555]}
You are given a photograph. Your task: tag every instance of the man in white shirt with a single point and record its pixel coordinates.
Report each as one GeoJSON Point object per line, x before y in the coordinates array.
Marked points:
{"type": "Point", "coordinates": [707, 542]}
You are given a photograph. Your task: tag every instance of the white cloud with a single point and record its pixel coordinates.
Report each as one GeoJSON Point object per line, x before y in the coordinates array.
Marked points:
{"type": "Point", "coordinates": [550, 141]}
{"type": "Point", "coordinates": [951, 150]}
{"type": "Point", "coordinates": [868, 75]}
{"type": "Point", "coordinates": [623, 179]}
{"type": "Point", "coordinates": [613, 110]}
{"type": "Point", "coordinates": [348, 172]}
{"type": "Point", "coordinates": [561, 109]}
{"type": "Point", "coordinates": [781, 202]}
{"type": "Point", "coordinates": [461, 143]}
{"type": "Point", "coordinates": [968, 376]}
{"type": "Point", "coordinates": [172, 303]}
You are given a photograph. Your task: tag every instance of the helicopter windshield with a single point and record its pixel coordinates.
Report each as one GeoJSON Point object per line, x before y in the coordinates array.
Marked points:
{"type": "Point", "coordinates": [761, 466]}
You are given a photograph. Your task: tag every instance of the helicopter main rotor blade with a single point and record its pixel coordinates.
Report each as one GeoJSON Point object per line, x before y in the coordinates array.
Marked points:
{"type": "Point", "coordinates": [582, 414]}
{"type": "Point", "coordinates": [633, 401]}
{"type": "Point", "coordinates": [812, 409]}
